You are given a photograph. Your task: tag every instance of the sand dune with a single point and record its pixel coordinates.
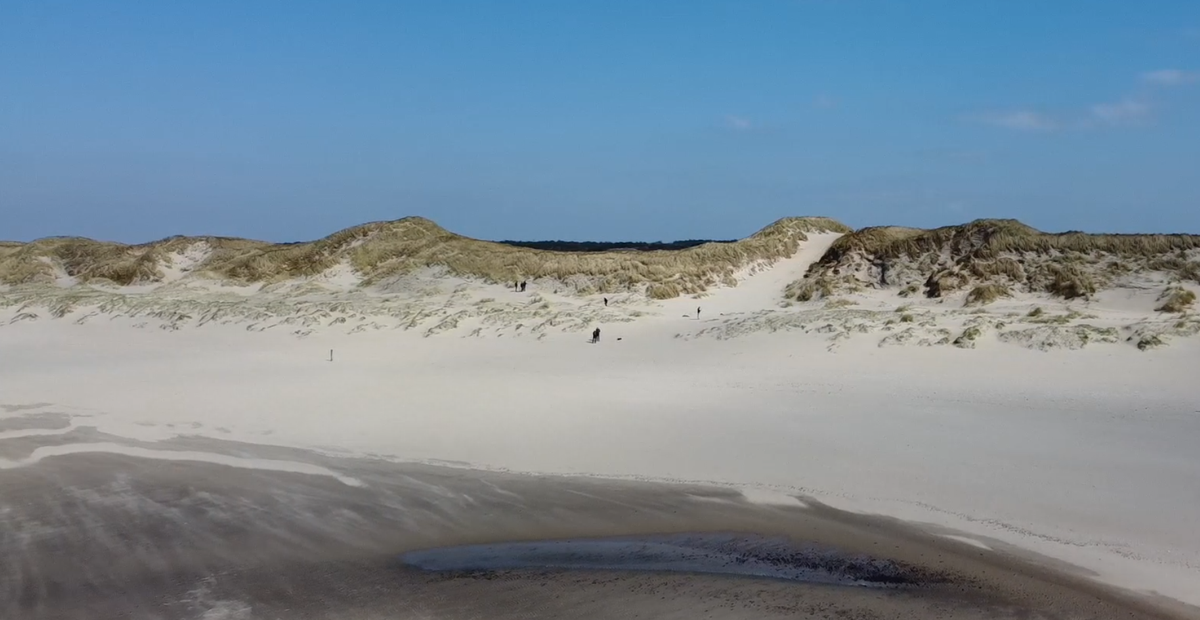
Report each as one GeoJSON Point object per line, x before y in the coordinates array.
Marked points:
{"type": "Point", "coordinates": [380, 251]}
{"type": "Point", "coordinates": [1023, 419]}
{"type": "Point", "coordinates": [988, 281]}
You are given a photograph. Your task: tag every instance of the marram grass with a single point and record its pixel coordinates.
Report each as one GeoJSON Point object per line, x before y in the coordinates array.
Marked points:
{"type": "Point", "coordinates": [382, 250]}
{"type": "Point", "coordinates": [989, 257]}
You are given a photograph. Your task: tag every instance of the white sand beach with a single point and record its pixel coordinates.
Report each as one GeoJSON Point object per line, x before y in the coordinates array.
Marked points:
{"type": "Point", "coordinates": [1083, 453]}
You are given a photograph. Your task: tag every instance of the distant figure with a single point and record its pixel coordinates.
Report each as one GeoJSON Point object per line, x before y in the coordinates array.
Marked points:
{"type": "Point", "coordinates": [516, 285]}
{"type": "Point", "coordinates": [596, 335]}
{"type": "Point", "coordinates": [523, 283]}
{"type": "Point", "coordinates": [697, 314]}
{"type": "Point", "coordinates": [605, 302]}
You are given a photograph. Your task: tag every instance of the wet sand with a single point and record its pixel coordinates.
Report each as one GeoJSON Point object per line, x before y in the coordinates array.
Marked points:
{"type": "Point", "coordinates": [96, 536]}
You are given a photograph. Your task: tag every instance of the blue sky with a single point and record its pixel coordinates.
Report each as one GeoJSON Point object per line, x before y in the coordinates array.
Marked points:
{"type": "Point", "coordinates": [612, 119]}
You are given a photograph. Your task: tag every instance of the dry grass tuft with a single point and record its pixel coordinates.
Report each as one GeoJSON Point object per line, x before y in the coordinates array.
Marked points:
{"type": "Point", "coordinates": [967, 339]}
{"type": "Point", "coordinates": [808, 290]}
{"type": "Point", "coordinates": [985, 294]}
{"type": "Point", "coordinates": [1178, 264]}
{"type": "Point", "coordinates": [1003, 267]}
{"type": "Point", "coordinates": [1176, 299]}
{"type": "Point", "coordinates": [1150, 342]}
{"type": "Point", "coordinates": [1068, 282]}
{"type": "Point", "coordinates": [1038, 316]}
{"type": "Point", "coordinates": [945, 282]}
{"type": "Point", "coordinates": [664, 290]}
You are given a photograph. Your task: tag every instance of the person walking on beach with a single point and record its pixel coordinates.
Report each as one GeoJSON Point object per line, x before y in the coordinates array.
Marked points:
{"type": "Point", "coordinates": [697, 314]}
{"type": "Point", "coordinates": [605, 302]}
{"type": "Point", "coordinates": [523, 283]}
{"type": "Point", "coordinates": [596, 335]}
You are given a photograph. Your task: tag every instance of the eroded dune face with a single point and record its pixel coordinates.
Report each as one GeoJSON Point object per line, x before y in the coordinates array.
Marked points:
{"type": "Point", "coordinates": [171, 534]}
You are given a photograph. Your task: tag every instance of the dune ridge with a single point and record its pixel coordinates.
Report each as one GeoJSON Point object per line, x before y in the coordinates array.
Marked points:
{"type": "Point", "coordinates": [379, 250]}
{"type": "Point", "coordinates": [985, 281]}
{"type": "Point", "coordinates": [992, 258]}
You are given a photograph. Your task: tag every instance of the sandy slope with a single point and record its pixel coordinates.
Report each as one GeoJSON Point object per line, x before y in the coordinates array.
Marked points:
{"type": "Point", "coordinates": [1083, 452]}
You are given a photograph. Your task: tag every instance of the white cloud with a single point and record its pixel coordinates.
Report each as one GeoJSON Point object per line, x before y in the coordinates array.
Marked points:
{"type": "Point", "coordinates": [1127, 112]}
{"type": "Point", "coordinates": [1023, 120]}
{"type": "Point", "coordinates": [1136, 109]}
{"type": "Point", "coordinates": [1170, 77]}
{"type": "Point", "coordinates": [739, 123]}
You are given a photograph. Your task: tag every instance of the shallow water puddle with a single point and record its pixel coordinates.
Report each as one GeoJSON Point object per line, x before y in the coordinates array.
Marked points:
{"type": "Point", "coordinates": [723, 554]}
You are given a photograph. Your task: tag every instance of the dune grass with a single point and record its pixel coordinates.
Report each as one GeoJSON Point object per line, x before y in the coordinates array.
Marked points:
{"type": "Point", "coordinates": [382, 250]}
{"type": "Point", "coordinates": [87, 260]}
{"type": "Point", "coordinates": [1067, 281]}
{"type": "Point", "coordinates": [985, 294]}
{"type": "Point", "coordinates": [991, 239]}
{"type": "Point", "coordinates": [1176, 299]}
{"type": "Point", "coordinates": [993, 255]}
{"type": "Point", "coordinates": [810, 289]}
{"type": "Point", "coordinates": [402, 247]}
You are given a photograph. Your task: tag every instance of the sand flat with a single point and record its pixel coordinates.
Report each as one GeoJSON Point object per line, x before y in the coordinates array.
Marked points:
{"type": "Point", "coordinates": [184, 539]}
{"type": "Point", "coordinates": [1084, 456]}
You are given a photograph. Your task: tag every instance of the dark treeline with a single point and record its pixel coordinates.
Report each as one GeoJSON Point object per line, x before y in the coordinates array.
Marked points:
{"type": "Point", "coordinates": [608, 246]}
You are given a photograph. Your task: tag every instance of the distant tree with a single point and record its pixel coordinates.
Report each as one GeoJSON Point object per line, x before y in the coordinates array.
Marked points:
{"type": "Point", "coordinates": [610, 246]}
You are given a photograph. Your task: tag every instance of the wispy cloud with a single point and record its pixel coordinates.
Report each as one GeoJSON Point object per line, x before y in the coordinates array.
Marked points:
{"type": "Point", "coordinates": [1170, 77]}
{"type": "Point", "coordinates": [1127, 112]}
{"type": "Point", "coordinates": [739, 123]}
{"type": "Point", "coordinates": [1022, 120]}
{"type": "Point", "coordinates": [824, 102]}
{"type": "Point", "coordinates": [1137, 108]}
